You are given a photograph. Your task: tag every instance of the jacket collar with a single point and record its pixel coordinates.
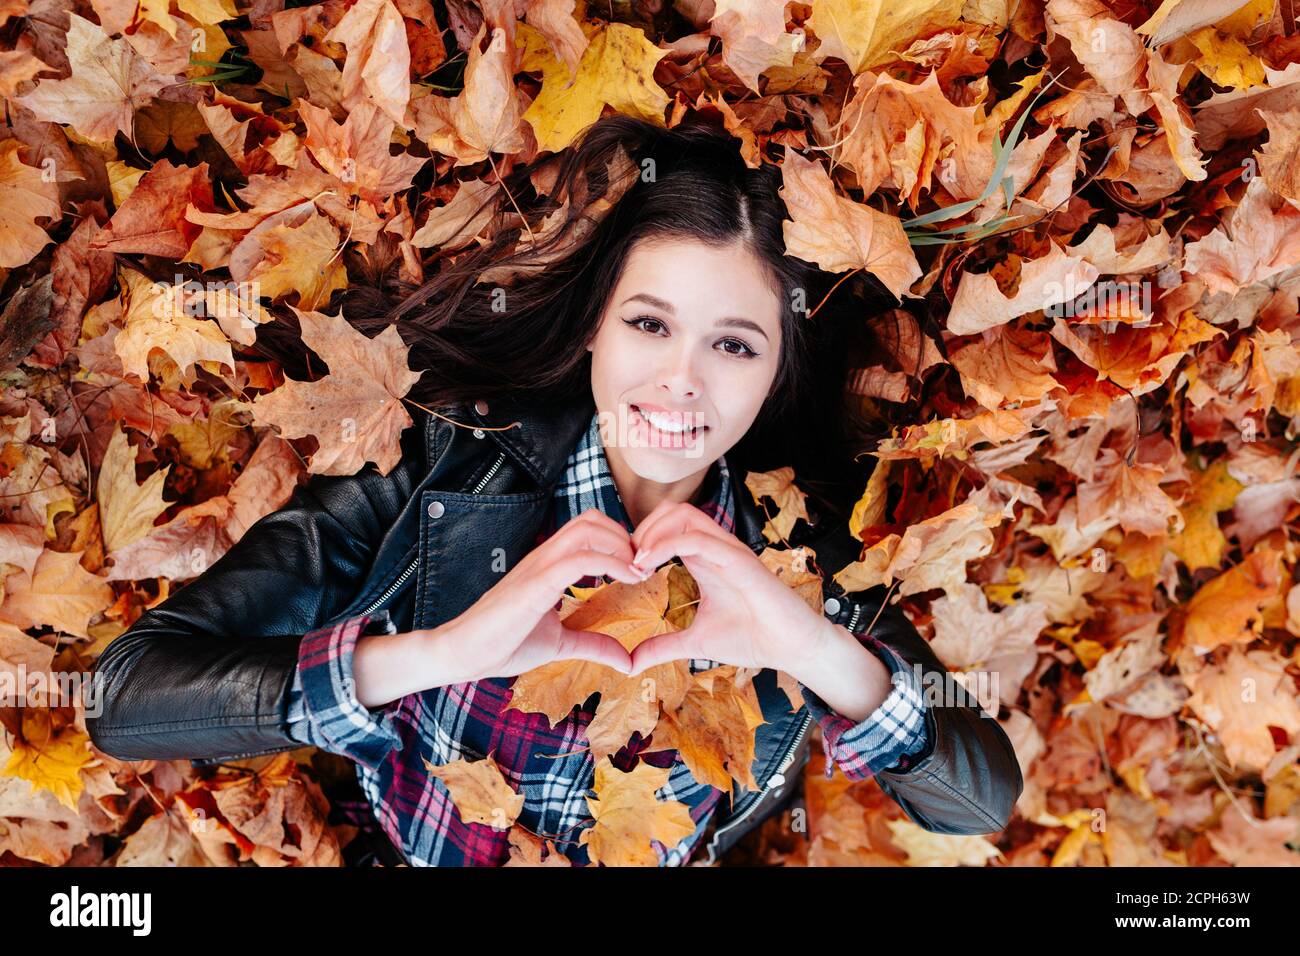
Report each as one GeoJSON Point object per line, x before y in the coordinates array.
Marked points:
{"type": "Point", "coordinates": [546, 432]}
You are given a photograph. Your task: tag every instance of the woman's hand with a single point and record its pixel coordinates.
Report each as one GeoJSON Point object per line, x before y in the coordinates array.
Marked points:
{"type": "Point", "coordinates": [515, 626]}
{"type": "Point", "coordinates": [747, 616]}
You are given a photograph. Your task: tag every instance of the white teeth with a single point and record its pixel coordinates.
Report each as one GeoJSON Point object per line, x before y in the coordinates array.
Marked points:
{"type": "Point", "coordinates": [664, 424]}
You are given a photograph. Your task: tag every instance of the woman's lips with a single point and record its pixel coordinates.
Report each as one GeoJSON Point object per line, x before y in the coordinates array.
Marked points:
{"type": "Point", "coordinates": [660, 438]}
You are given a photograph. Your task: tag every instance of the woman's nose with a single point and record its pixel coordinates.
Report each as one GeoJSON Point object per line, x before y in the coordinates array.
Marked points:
{"type": "Point", "coordinates": [678, 378]}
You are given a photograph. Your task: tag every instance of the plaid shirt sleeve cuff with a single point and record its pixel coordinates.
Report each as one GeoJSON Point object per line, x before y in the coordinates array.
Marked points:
{"type": "Point", "coordinates": [328, 714]}
{"type": "Point", "coordinates": [889, 738]}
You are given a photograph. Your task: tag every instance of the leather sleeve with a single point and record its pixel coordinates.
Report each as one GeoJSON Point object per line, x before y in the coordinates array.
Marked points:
{"type": "Point", "coordinates": [206, 673]}
{"type": "Point", "coordinates": [967, 779]}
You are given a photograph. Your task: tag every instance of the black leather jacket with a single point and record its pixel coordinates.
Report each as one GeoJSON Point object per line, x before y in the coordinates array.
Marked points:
{"type": "Point", "coordinates": [205, 674]}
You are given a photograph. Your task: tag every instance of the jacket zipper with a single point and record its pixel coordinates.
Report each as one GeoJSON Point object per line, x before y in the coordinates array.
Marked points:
{"type": "Point", "coordinates": [785, 761]}
{"type": "Point", "coordinates": [401, 578]}
{"type": "Point", "coordinates": [780, 771]}
{"type": "Point", "coordinates": [388, 592]}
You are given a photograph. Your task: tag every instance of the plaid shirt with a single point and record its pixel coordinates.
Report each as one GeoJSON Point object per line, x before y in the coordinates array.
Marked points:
{"type": "Point", "coordinates": [550, 766]}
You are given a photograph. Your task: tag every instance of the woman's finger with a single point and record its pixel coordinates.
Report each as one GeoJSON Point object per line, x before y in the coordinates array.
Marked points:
{"type": "Point", "coordinates": [672, 528]}
{"type": "Point", "coordinates": [595, 647]}
{"type": "Point", "coordinates": [672, 517]}
{"type": "Point", "coordinates": [698, 543]}
{"type": "Point", "coordinates": [591, 535]}
{"type": "Point", "coordinates": [600, 519]}
{"type": "Point", "coordinates": [662, 648]}
{"type": "Point", "coordinates": [652, 518]}
{"type": "Point", "coordinates": [565, 569]}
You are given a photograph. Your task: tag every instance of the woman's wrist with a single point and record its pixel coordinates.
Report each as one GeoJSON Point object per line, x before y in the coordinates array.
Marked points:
{"type": "Point", "coordinates": [387, 667]}
{"type": "Point", "coordinates": [845, 674]}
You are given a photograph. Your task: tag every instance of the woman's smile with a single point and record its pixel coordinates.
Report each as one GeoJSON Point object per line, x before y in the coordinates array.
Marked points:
{"type": "Point", "coordinates": [662, 428]}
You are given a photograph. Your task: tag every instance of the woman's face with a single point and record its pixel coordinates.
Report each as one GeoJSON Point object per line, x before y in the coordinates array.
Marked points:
{"type": "Point", "coordinates": [689, 339]}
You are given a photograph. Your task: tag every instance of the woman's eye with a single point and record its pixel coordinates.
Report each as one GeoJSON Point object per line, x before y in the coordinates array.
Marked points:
{"type": "Point", "coordinates": [636, 323]}
{"type": "Point", "coordinates": [741, 350]}
{"type": "Point", "coordinates": [745, 350]}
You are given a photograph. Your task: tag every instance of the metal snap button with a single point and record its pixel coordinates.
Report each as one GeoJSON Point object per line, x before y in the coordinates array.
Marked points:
{"type": "Point", "coordinates": [481, 407]}
{"type": "Point", "coordinates": [479, 433]}
{"type": "Point", "coordinates": [832, 606]}
{"type": "Point", "coordinates": [436, 508]}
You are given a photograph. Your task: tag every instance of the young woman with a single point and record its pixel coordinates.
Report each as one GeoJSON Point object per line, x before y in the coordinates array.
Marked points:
{"type": "Point", "coordinates": [591, 404]}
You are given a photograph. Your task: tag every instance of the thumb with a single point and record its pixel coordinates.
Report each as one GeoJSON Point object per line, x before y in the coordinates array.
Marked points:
{"type": "Point", "coordinates": [595, 647]}
{"type": "Point", "coordinates": [662, 648]}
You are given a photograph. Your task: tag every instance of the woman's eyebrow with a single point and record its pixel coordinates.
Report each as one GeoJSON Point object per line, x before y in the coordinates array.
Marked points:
{"type": "Point", "coordinates": [732, 322]}
{"type": "Point", "coordinates": [665, 305]}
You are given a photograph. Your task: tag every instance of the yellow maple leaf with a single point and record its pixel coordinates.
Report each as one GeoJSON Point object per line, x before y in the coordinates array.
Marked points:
{"type": "Point", "coordinates": [156, 319]}
{"type": "Point", "coordinates": [869, 33]}
{"type": "Point", "coordinates": [628, 816]}
{"type": "Point", "coordinates": [300, 257]}
{"type": "Point", "coordinates": [50, 760]}
{"type": "Point", "coordinates": [127, 510]}
{"type": "Point", "coordinates": [617, 69]}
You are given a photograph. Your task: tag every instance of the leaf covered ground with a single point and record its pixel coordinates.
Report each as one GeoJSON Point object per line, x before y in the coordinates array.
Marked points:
{"type": "Point", "coordinates": [1090, 213]}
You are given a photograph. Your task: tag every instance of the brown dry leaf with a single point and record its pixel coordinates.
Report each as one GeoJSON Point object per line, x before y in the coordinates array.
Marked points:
{"type": "Point", "coordinates": [713, 729]}
{"type": "Point", "coordinates": [480, 792]}
{"type": "Point", "coordinates": [911, 136]}
{"type": "Point", "coordinates": [25, 196]}
{"type": "Point", "coordinates": [1259, 240]}
{"type": "Point", "coordinates": [157, 318]}
{"type": "Point", "coordinates": [278, 816]}
{"type": "Point", "coordinates": [485, 117]}
{"type": "Point", "coordinates": [630, 614]}
{"type": "Point", "coordinates": [839, 234]}
{"type": "Point", "coordinates": [300, 257]}
{"type": "Point", "coordinates": [165, 839]}
{"type": "Point", "coordinates": [753, 37]}
{"type": "Point", "coordinates": [926, 848]}
{"type": "Point", "coordinates": [198, 535]}
{"type": "Point", "coordinates": [1051, 280]}
{"type": "Point", "coordinates": [969, 635]}
{"type": "Point", "coordinates": [791, 566]}
{"type": "Point", "coordinates": [683, 597]}
{"type": "Point", "coordinates": [60, 593]}
{"type": "Point", "coordinates": [526, 850]}
{"type": "Point", "coordinates": [789, 500]}
{"type": "Point", "coordinates": [109, 82]}
{"type": "Point", "coordinates": [454, 225]}
{"type": "Point", "coordinates": [631, 706]}
{"type": "Point", "coordinates": [1254, 842]}
{"type": "Point", "coordinates": [357, 153]}
{"type": "Point", "coordinates": [1239, 698]}
{"type": "Point", "coordinates": [355, 412]}
{"type": "Point", "coordinates": [933, 553]}
{"type": "Point", "coordinates": [378, 64]}
{"type": "Point", "coordinates": [1129, 495]}
{"type": "Point", "coordinates": [1279, 161]}
{"type": "Point", "coordinates": [1006, 365]}
{"type": "Point", "coordinates": [152, 219]}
